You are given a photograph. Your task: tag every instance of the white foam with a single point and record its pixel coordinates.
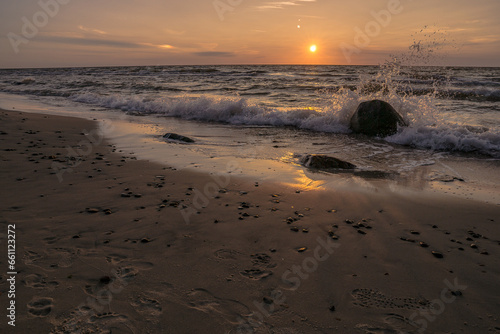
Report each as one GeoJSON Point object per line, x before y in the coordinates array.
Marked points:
{"type": "Point", "coordinates": [428, 127]}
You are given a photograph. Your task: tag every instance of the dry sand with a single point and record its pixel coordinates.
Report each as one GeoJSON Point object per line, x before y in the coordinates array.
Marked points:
{"type": "Point", "coordinates": [115, 245]}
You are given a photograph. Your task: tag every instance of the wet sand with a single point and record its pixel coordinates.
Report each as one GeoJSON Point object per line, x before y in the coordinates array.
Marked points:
{"type": "Point", "coordinates": [106, 243]}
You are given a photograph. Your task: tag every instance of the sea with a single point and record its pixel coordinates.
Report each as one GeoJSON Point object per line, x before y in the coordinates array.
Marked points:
{"type": "Point", "coordinates": [265, 118]}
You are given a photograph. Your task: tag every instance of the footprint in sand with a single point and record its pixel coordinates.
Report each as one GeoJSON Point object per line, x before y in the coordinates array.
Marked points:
{"type": "Point", "coordinates": [230, 310]}
{"type": "Point", "coordinates": [147, 306]}
{"type": "Point", "coordinates": [51, 258]}
{"type": "Point", "coordinates": [227, 254]}
{"type": "Point", "coordinates": [40, 307]}
{"type": "Point", "coordinates": [37, 281]}
{"type": "Point", "coordinates": [261, 263]}
{"type": "Point", "coordinates": [256, 274]}
{"type": "Point", "coordinates": [376, 299]}
{"type": "Point", "coordinates": [398, 324]}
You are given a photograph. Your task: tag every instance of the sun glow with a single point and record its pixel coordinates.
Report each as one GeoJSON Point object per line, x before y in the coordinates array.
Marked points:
{"type": "Point", "coordinates": [313, 48]}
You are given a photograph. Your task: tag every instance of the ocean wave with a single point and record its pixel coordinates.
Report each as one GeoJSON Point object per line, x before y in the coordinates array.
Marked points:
{"type": "Point", "coordinates": [426, 130]}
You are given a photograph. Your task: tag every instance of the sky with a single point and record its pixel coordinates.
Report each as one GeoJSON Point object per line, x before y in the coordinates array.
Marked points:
{"type": "Point", "coordinates": [64, 33]}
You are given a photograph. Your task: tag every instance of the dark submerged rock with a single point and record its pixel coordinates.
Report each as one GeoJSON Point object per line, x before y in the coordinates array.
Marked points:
{"type": "Point", "coordinates": [376, 118]}
{"type": "Point", "coordinates": [324, 162]}
{"type": "Point", "coordinates": [175, 136]}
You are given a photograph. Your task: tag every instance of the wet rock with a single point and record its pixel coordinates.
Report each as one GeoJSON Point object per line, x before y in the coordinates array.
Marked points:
{"type": "Point", "coordinates": [323, 162]}
{"type": "Point", "coordinates": [177, 137]}
{"type": "Point", "coordinates": [376, 118]}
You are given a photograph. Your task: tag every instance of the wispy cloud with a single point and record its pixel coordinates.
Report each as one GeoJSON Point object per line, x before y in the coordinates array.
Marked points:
{"type": "Point", "coordinates": [95, 31]}
{"type": "Point", "coordinates": [214, 54]}
{"type": "Point", "coordinates": [282, 4]}
{"type": "Point", "coordinates": [485, 39]}
{"type": "Point", "coordinates": [90, 41]}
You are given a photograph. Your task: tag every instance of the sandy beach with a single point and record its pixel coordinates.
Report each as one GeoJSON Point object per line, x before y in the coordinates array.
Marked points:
{"type": "Point", "coordinates": [106, 243]}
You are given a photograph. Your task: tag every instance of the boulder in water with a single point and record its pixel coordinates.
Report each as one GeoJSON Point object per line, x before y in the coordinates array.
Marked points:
{"type": "Point", "coordinates": [376, 118]}
{"type": "Point", "coordinates": [323, 162]}
{"type": "Point", "coordinates": [176, 137]}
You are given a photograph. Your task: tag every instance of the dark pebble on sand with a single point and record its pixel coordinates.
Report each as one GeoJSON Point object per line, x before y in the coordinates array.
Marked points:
{"type": "Point", "coordinates": [268, 301]}
{"type": "Point", "coordinates": [302, 250]}
{"type": "Point", "coordinates": [216, 221]}
{"type": "Point", "coordinates": [125, 195]}
{"type": "Point", "coordinates": [92, 210]}
{"type": "Point", "coordinates": [108, 211]}
{"type": "Point", "coordinates": [437, 254]}
{"type": "Point", "coordinates": [474, 246]}
{"type": "Point", "coordinates": [456, 293]}
{"type": "Point", "coordinates": [105, 280]}
{"type": "Point", "coordinates": [434, 226]}
{"type": "Point", "coordinates": [423, 244]}
{"type": "Point", "coordinates": [332, 308]}
{"type": "Point", "coordinates": [415, 232]}
{"type": "Point", "coordinates": [305, 230]}
{"type": "Point", "coordinates": [137, 195]}
{"type": "Point", "coordinates": [245, 214]}
{"type": "Point", "coordinates": [349, 221]}
{"type": "Point", "coordinates": [361, 232]}
{"type": "Point", "coordinates": [484, 253]}
{"type": "Point", "coordinates": [294, 229]}
{"type": "Point", "coordinates": [406, 239]}
{"type": "Point", "coordinates": [76, 237]}
{"type": "Point", "coordinates": [145, 241]}
{"type": "Point", "coordinates": [272, 250]}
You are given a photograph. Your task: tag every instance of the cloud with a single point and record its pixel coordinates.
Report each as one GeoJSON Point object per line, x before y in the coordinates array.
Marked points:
{"type": "Point", "coordinates": [90, 41]}
{"type": "Point", "coordinates": [95, 31]}
{"type": "Point", "coordinates": [282, 4]}
{"type": "Point", "coordinates": [214, 54]}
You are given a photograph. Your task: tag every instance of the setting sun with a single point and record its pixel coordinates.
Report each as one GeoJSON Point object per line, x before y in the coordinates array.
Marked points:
{"type": "Point", "coordinates": [312, 48]}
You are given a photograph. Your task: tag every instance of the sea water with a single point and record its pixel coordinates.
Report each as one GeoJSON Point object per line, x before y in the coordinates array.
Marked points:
{"type": "Point", "coordinates": [272, 115]}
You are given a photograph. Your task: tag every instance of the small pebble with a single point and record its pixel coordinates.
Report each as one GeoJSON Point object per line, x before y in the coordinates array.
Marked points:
{"type": "Point", "coordinates": [105, 280]}
{"type": "Point", "coordinates": [423, 244]}
{"type": "Point", "coordinates": [437, 254]}
{"type": "Point", "coordinates": [302, 250]}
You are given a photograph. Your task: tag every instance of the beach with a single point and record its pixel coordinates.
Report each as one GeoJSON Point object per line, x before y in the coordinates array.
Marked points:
{"type": "Point", "coordinates": [108, 243]}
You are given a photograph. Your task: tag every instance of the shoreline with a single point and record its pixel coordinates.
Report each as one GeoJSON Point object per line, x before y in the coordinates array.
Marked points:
{"type": "Point", "coordinates": [272, 154]}
{"type": "Point", "coordinates": [113, 240]}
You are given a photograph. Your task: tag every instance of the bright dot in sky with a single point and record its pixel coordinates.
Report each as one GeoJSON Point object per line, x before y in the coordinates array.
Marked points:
{"type": "Point", "coordinates": [298, 26]}
{"type": "Point", "coordinates": [313, 48]}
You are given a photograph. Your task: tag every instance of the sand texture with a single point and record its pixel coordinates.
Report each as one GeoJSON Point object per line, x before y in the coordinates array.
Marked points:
{"type": "Point", "coordinates": [106, 243]}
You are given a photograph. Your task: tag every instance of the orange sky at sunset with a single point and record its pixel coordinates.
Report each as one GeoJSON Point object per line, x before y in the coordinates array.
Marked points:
{"type": "Point", "coordinates": [57, 33]}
